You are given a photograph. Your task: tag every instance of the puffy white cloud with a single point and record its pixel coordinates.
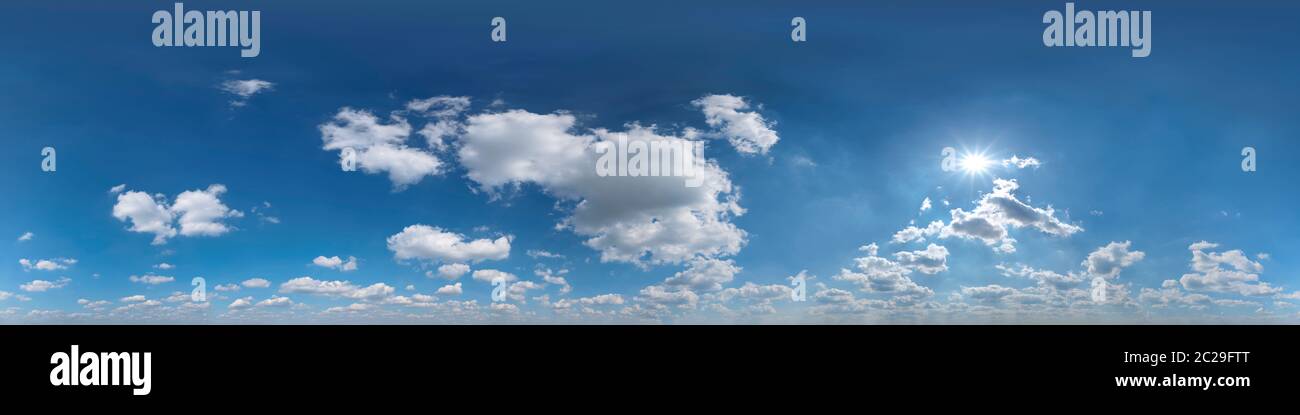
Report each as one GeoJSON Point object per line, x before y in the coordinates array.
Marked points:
{"type": "Point", "coordinates": [201, 212]}
{"type": "Point", "coordinates": [451, 271]}
{"type": "Point", "coordinates": [335, 262]}
{"type": "Point", "coordinates": [26, 236]}
{"type": "Point", "coordinates": [36, 286]}
{"type": "Point", "coordinates": [425, 242]}
{"type": "Point", "coordinates": [198, 212]}
{"type": "Point", "coordinates": [999, 210]}
{"type": "Point", "coordinates": [705, 274]}
{"type": "Point", "coordinates": [747, 131]}
{"type": "Point", "coordinates": [47, 264]}
{"type": "Point", "coordinates": [379, 147]}
{"type": "Point", "coordinates": [132, 299]}
{"type": "Point", "coordinates": [444, 111]}
{"type": "Point", "coordinates": [926, 205]}
{"type": "Point", "coordinates": [450, 289]}
{"type": "Point", "coordinates": [932, 260]}
{"type": "Point", "coordinates": [164, 266]}
{"type": "Point", "coordinates": [488, 275]}
{"type": "Point", "coordinates": [226, 287]}
{"type": "Point", "coordinates": [655, 219]}
{"type": "Point", "coordinates": [146, 213]}
{"type": "Point", "coordinates": [256, 283]}
{"type": "Point", "coordinates": [880, 275]}
{"type": "Point", "coordinates": [1109, 260]}
{"type": "Point", "coordinates": [1227, 272]}
{"type": "Point", "coordinates": [309, 285]}
{"type": "Point", "coordinates": [241, 303]}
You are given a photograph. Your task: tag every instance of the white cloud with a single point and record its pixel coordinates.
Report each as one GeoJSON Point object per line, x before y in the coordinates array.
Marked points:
{"type": "Point", "coordinates": [309, 285]}
{"type": "Point", "coordinates": [256, 283]}
{"type": "Point", "coordinates": [538, 253]}
{"type": "Point", "coordinates": [880, 275]}
{"type": "Point", "coordinates": [275, 301]}
{"type": "Point", "coordinates": [451, 271]}
{"type": "Point", "coordinates": [117, 189]}
{"type": "Point", "coordinates": [999, 210]}
{"type": "Point", "coordinates": [201, 212]}
{"type": "Point", "coordinates": [26, 236]}
{"type": "Point", "coordinates": [245, 89]}
{"type": "Point", "coordinates": [151, 279]}
{"type": "Point", "coordinates": [241, 303]}
{"type": "Point", "coordinates": [628, 219]}
{"type": "Point", "coordinates": [1020, 163]}
{"type": "Point", "coordinates": [335, 262]}
{"type": "Point", "coordinates": [36, 286]}
{"type": "Point", "coordinates": [555, 278]}
{"type": "Point", "coordinates": [747, 131]}
{"type": "Point", "coordinates": [198, 212]}
{"type": "Point", "coordinates": [226, 287]}
{"type": "Point", "coordinates": [380, 148]}
{"type": "Point", "coordinates": [1227, 272]}
{"type": "Point", "coordinates": [164, 266]}
{"type": "Point", "coordinates": [133, 299]}
{"type": "Point", "coordinates": [429, 243]}
{"type": "Point", "coordinates": [925, 204]}
{"type": "Point", "coordinates": [1109, 260]}
{"type": "Point", "coordinates": [450, 289]}
{"type": "Point", "coordinates": [488, 275]}
{"type": "Point", "coordinates": [47, 264]}
{"type": "Point", "coordinates": [705, 274]}
{"type": "Point", "coordinates": [932, 260]}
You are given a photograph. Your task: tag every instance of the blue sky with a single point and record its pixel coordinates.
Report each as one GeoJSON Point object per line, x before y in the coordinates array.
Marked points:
{"type": "Point", "coordinates": [1138, 160]}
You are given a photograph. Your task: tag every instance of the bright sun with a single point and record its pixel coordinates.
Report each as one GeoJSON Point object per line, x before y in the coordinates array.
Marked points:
{"type": "Point", "coordinates": [975, 163]}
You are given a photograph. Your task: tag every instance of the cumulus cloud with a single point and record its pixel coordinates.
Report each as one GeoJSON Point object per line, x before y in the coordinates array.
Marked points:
{"type": "Point", "coordinates": [488, 275]}
{"type": "Point", "coordinates": [876, 274]}
{"type": "Point", "coordinates": [1000, 210]}
{"type": "Point", "coordinates": [55, 264]}
{"type": "Point", "coordinates": [335, 262]}
{"type": "Point", "coordinates": [26, 236]}
{"type": "Point", "coordinates": [197, 212]}
{"type": "Point", "coordinates": [309, 285]}
{"type": "Point", "coordinates": [450, 289]}
{"type": "Point", "coordinates": [705, 274]}
{"type": "Point", "coordinates": [747, 131]}
{"type": "Point", "coordinates": [932, 260]}
{"type": "Point", "coordinates": [1226, 272]}
{"type": "Point", "coordinates": [451, 271]}
{"type": "Point", "coordinates": [379, 147]}
{"type": "Point", "coordinates": [1107, 261]}
{"type": "Point", "coordinates": [423, 242]}
{"type": "Point", "coordinates": [654, 219]}
{"type": "Point", "coordinates": [256, 283]}
{"type": "Point", "coordinates": [36, 286]}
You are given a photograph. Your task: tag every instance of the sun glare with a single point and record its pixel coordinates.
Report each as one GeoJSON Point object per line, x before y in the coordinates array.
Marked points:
{"type": "Point", "coordinates": [975, 163]}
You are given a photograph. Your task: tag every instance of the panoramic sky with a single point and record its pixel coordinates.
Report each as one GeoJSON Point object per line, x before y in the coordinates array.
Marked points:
{"type": "Point", "coordinates": [389, 162]}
